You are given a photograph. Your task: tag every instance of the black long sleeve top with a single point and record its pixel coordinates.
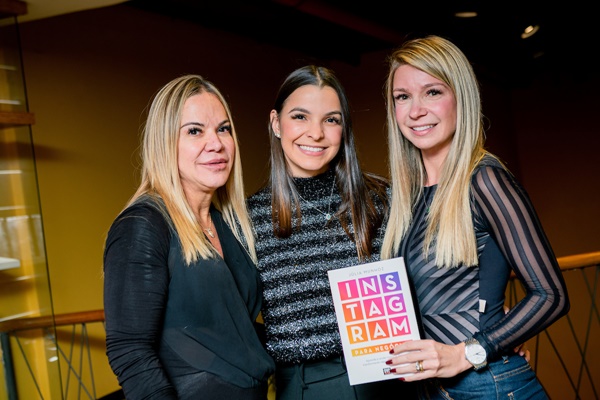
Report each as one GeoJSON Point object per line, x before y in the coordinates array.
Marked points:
{"type": "Point", "coordinates": [457, 303]}
{"type": "Point", "coordinates": [166, 319]}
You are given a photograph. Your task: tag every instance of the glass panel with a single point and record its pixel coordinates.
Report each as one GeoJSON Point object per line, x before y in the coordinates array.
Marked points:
{"type": "Point", "coordinates": [12, 89]}
{"type": "Point", "coordinates": [24, 279]}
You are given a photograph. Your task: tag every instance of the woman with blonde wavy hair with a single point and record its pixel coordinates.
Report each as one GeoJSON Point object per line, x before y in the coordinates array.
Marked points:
{"type": "Point", "coordinates": [463, 224]}
{"type": "Point", "coordinates": [181, 291]}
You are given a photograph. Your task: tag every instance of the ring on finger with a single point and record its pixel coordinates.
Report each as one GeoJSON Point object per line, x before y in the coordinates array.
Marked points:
{"type": "Point", "coordinates": [419, 366]}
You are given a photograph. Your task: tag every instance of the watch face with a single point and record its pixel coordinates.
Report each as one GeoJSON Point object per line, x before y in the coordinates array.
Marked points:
{"type": "Point", "coordinates": [475, 353]}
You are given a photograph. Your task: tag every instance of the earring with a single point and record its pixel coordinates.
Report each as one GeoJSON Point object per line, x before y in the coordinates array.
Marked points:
{"type": "Point", "coordinates": [278, 135]}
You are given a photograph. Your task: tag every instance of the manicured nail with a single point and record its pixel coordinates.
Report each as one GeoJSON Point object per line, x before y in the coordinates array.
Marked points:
{"type": "Point", "coordinates": [388, 362]}
{"type": "Point", "coordinates": [401, 379]}
{"type": "Point", "coordinates": [392, 351]}
{"type": "Point", "coordinates": [393, 370]}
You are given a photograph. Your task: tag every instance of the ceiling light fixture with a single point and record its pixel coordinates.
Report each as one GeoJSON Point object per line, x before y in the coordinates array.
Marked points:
{"type": "Point", "coordinates": [529, 31]}
{"type": "Point", "coordinates": [465, 14]}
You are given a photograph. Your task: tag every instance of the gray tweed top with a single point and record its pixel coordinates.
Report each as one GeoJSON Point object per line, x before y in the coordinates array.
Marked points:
{"type": "Point", "coordinates": [298, 308]}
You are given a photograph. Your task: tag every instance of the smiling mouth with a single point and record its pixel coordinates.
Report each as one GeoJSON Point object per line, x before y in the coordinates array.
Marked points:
{"type": "Point", "coordinates": [313, 149]}
{"type": "Point", "coordinates": [422, 128]}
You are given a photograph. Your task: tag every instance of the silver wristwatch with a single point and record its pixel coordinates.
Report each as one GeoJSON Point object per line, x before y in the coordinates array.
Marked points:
{"type": "Point", "coordinates": [475, 353]}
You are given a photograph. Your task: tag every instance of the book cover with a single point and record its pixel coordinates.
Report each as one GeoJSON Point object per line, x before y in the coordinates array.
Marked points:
{"type": "Point", "coordinates": [375, 312]}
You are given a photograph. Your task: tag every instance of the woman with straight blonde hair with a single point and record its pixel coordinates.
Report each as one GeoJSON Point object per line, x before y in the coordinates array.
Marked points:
{"type": "Point", "coordinates": [463, 224]}
{"type": "Point", "coordinates": [181, 291]}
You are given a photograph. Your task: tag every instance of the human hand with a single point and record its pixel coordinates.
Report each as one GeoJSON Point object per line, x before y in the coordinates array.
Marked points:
{"type": "Point", "coordinates": [415, 360]}
{"type": "Point", "coordinates": [523, 351]}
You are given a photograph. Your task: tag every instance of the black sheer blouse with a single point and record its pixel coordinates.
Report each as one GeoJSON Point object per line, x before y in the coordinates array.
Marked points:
{"type": "Point", "coordinates": [457, 303]}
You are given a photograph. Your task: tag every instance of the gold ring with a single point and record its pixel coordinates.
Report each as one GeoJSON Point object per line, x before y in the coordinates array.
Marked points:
{"type": "Point", "coordinates": [419, 366]}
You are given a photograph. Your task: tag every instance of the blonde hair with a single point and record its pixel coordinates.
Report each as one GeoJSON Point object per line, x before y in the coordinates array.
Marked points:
{"type": "Point", "coordinates": [160, 173]}
{"type": "Point", "coordinates": [450, 221]}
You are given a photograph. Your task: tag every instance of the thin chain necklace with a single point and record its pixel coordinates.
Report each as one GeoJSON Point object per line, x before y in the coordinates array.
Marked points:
{"type": "Point", "coordinates": [208, 230]}
{"type": "Point", "coordinates": [326, 214]}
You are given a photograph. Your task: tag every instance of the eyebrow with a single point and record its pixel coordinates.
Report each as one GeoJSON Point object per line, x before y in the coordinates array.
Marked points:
{"type": "Point", "coordinates": [224, 122]}
{"type": "Point", "coordinates": [296, 109]}
{"type": "Point", "coordinates": [304, 110]}
{"type": "Point", "coordinates": [191, 123]}
{"type": "Point", "coordinates": [426, 86]}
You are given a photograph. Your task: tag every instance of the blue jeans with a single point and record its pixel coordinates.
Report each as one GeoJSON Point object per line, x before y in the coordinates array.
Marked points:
{"type": "Point", "coordinates": [510, 378]}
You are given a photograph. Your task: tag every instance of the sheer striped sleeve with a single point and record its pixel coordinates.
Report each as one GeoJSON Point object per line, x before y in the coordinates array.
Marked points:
{"type": "Point", "coordinates": [504, 207]}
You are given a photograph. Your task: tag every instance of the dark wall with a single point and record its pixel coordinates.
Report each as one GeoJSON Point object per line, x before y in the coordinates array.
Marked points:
{"type": "Point", "coordinates": [90, 76]}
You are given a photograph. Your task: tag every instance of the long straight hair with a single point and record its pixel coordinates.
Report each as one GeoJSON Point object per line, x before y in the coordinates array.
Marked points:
{"type": "Point", "coordinates": [354, 185]}
{"type": "Point", "coordinates": [160, 173]}
{"type": "Point", "coordinates": [449, 221]}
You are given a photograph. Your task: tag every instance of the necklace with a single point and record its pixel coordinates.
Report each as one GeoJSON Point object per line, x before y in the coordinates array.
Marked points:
{"type": "Point", "coordinates": [208, 230]}
{"type": "Point", "coordinates": [326, 214]}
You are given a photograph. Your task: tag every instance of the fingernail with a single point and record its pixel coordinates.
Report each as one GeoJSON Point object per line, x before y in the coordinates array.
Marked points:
{"type": "Point", "coordinates": [393, 370]}
{"type": "Point", "coordinates": [388, 362]}
{"type": "Point", "coordinates": [392, 351]}
{"type": "Point", "coordinates": [401, 379]}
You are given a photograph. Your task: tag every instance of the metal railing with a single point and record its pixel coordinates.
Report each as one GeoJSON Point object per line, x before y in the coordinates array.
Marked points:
{"type": "Point", "coordinates": [69, 347]}
{"type": "Point", "coordinates": [562, 354]}
{"type": "Point", "coordinates": [569, 344]}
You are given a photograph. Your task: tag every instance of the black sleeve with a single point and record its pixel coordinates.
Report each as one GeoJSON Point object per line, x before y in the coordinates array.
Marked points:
{"type": "Point", "coordinates": [509, 215]}
{"type": "Point", "coordinates": [136, 282]}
